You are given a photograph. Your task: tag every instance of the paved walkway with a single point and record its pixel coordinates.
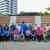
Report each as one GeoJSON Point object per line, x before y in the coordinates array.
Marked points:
{"type": "Point", "coordinates": [25, 45]}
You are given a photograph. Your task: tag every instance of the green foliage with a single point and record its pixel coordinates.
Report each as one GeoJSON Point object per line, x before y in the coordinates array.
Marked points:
{"type": "Point", "coordinates": [45, 13]}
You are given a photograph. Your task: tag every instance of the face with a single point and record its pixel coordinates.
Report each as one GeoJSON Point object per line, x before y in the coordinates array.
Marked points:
{"type": "Point", "coordinates": [35, 24]}
{"type": "Point", "coordinates": [47, 24]}
{"type": "Point", "coordinates": [42, 25]}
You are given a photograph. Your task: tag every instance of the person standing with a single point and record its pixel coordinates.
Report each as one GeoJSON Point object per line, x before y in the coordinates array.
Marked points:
{"type": "Point", "coordinates": [48, 32]}
{"type": "Point", "coordinates": [45, 35]}
{"type": "Point", "coordinates": [1, 31]}
{"type": "Point", "coordinates": [11, 31]}
{"type": "Point", "coordinates": [24, 28]}
{"type": "Point", "coordinates": [6, 31]}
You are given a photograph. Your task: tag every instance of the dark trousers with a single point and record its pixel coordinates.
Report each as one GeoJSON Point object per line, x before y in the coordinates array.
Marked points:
{"type": "Point", "coordinates": [39, 38]}
{"type": "Point", "coordinates": [33, 38]}
{"type": "Point", "coordinates": [7, 38]}
{"type": "Point", "coordinates": [1, 38]}
{"type": "Point", "coordinates": [48, 37]}
{"type": "Point", "coordinates": [11, 37]}
{"type": "Point", "coordinates": [29, 37]}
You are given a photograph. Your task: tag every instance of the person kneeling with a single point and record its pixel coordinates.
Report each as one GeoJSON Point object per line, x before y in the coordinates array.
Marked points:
{"type": "Point", "coordinates": [28, 35]}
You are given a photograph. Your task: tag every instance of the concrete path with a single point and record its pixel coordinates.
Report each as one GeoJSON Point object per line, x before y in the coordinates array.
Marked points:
{"type": "Point", "coordinates": [25, 45]}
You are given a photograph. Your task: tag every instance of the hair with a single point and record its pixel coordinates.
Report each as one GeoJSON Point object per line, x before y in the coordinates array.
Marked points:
{"type": "Point", "coordinates": [23, 22]}
{"type": "Point", "coordinates": [47, 24]}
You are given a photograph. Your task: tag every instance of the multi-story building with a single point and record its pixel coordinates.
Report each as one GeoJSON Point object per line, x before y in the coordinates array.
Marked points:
{"type": "Point", "coordinates": [8, 7]}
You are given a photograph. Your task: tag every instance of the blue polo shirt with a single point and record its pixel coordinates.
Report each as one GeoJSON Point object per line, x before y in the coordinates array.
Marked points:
{"type": "Point", "coordinates": [24, 27]}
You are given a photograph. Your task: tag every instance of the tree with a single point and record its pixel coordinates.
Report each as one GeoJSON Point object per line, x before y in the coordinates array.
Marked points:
{"type": "Point", "coordinates": [45, 13]}
{"type": "Point", "coordinates": [48, 10]}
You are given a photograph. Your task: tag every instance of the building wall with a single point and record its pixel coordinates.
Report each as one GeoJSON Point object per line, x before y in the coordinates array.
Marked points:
{"type": "Point", "coordinates": [4, 19]}
{"type": "Point", "coordinates": [13, 20]}
{"type": "Point", "coordinates": [8, 7]}
{"type": "Point", "coordinates": [34, 19]}
{"type": "Point", "coordinates": [45, 20]}
{"type": "Point", "coordinates": [4, 7]}
{"type": "Point", "coordinates": [13, 7]}
{"type": "Point", "coordinates": [27, 19]}
{"type": "Point", "coordinates": [37, 19]}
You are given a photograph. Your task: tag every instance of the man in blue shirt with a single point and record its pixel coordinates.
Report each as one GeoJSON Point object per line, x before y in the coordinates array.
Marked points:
{"type": "Point", "coordinates": [24, 28]}
{"type": "Point", "coordinates": [1, 31]}
{"type": "Point", "coordinates": [6, 31]}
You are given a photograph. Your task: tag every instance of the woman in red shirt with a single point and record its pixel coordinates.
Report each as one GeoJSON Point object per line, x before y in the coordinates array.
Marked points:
{"type": "Point", "coordinates": [39, 33]}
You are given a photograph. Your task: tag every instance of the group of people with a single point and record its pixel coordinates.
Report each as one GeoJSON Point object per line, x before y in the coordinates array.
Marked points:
{"type": "Point", "coordinates": [25, 31]}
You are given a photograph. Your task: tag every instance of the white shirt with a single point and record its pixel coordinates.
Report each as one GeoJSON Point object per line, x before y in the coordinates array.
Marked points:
{"type": "Point", "coordinates": [47, 28]}
{"type": "Point", "coordinates": [18, 27]}
{"type": "Point", "coordinates": [28, 32]}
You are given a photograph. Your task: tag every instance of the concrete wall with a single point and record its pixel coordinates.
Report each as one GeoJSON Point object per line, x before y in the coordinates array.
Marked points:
{"type": "Point", "coordinates": [37, 19]}
{"type": "Point", "coordinates": [27, 19]}
{"type": "Point", "coordinates": [12, 20]}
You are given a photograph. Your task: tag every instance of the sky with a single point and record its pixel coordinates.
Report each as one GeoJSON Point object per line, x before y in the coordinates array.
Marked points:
{"type": "Point", "coordinates": [32, 5]}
